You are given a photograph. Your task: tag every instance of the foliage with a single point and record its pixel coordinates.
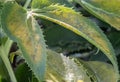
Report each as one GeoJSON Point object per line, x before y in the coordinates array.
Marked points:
{"type": "Point", "coordinates": [67, 31]}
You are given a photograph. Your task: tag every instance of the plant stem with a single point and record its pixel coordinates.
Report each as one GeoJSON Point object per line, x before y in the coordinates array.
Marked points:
{"type": "Point", "coordinates": [4, 56]}
{"type": "Point", "coordinates": [27, 3]}
{"type": "Point", "coordinates": [0, 79]}
{"type": "Point", "coordinates": [7, 46]}
{"type": "Point", "coordinates": [8, 66]}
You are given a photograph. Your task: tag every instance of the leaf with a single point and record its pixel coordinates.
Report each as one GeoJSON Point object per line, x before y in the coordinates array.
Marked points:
{"type": "Point", "coordinates": [1, 1]}
{"type": "Point", "coordinates": [0, 14]}
{"type": "Point", "coordinates": [80, 25]}
{"type": "Point", "coordinates": [27, 77]}
{"type": "Point", "coordinates": [2, 79]}
{"type": "Point", "coordinates": [103, 71]}
{"type": "Point", "coordinates": [43, 3]}
{"type": "Point", "coordinates": [28, 35]}
{"type": "Point", "coordinates": [99, 57]}
{"type": "Point", "coordinates": [23, 73]}
{"type": "Point", "coordinates": [113, 37]}
{"type": "Point", "coordinates": [58, 66]}
{"type": "Point", "coordinates": [63, 69]}
{"type": "Point", "coordinates": [106, 10]}
{"type": "Point", "coordinates": [3, 71]}
{"type": "Point", "coordinates": [4, 1]}
{"type": "Point", "coordinates": [66, 40]}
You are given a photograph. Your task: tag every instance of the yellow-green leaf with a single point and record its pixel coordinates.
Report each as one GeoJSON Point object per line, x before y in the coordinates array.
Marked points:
{"type": "Point", "coordinates": [21, 27]}
{"type": "Point", "coordinates": [59, 66]}
{"type": "Point", "coordinates": [80, 25]}
{"type": "Point", "coordinates": [43, 3]}
{"type": "Point", "coordinates": [62, 69]}
{"type": "Point", "coordinates": [106, 10]}
{"type": "Point", "coordinates": [103, 71]}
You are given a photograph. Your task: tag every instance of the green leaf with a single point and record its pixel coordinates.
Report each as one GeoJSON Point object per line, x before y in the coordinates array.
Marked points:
{"type": "Point", "coordinates": [80, 25]}
{"type": "Point", "coordinates": [3, 70]}
{"type": "Point", "coordinates": [4, 1]}
{"type": "Point", "coordinates": [39, 46]}
{"type": "Point", "coordinates": [106, 10]}
{"type": "Point", "coordinates": [21, 27]}
{"type": "Point", "coordinates": [103, 71]}
{"type": "Point", "coordinates": [44, 3]}
{"type": "Point", "coordinates": [23, 73]}
{"type": "Point", "coordinates": [58, 66]}
{"type": "Point", "coordinates": [66, 40]}
{"type": "Point", "coordinates": [113, 37]}
{"type": "Point", "coordinates": [2, 79]}
{"type": "Point", "coordinates": [1, 1]}
{"type": "Point", "coordinates": [63, 69]}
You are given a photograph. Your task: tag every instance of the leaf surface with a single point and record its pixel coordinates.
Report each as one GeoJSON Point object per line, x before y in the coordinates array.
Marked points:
{"type": "Point", "coordinates": [82, 71]}
{"type": "Point", "coordinates": [19, 72]}
{"type": "Point", "coordinates": [36, 4]}
{"type": "Point", "coordinates": [62, 69]}
{"type": "Point", "coordinates": [80, 25]}
{"type": "Point", "coordinates": [103, 71]}
{"type": "Point", "coordinates": [21, 27]}
{"type": "Point", "coordinates": [107, 10]}
{"type": "Point", "coordinates": [66, 40]}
